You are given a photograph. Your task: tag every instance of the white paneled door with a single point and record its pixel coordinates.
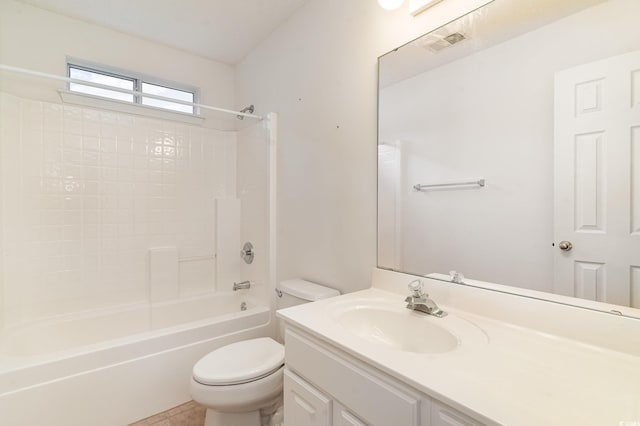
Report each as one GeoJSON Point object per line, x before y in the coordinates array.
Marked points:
{"type": "Point", "coordinates": [597, 181]}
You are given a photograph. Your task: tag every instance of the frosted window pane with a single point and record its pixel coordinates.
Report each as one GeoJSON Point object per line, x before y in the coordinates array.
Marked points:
{"type": "Point", "coordinates": [94, 77]}
{"type": "Point", "coordinates": [167, 92]}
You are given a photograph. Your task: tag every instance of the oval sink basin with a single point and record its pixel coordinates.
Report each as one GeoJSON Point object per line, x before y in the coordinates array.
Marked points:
{"type": "Point", "coordinates": [406, 331]}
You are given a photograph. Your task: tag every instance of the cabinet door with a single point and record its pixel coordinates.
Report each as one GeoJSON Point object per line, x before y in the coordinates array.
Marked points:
{"type": "Point", "coordinates": [342, 417]}
{"type": "Point", "coordinates": [377, 399]}
{"type": "Point", "coordinates": [304, 405]}
{"type": "Point", "coordinates": [441, 415]}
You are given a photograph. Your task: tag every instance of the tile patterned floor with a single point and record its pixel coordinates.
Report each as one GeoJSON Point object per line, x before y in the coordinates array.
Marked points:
{"type": "Point", "coordinates": [188, 414]}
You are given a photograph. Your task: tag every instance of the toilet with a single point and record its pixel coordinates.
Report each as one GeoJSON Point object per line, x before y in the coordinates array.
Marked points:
{"type": "Point", "coordinates": [241, 383]}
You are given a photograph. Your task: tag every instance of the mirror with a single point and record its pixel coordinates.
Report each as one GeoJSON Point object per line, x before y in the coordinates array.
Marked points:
{"type": "Point", "coordinates": [509, 151]}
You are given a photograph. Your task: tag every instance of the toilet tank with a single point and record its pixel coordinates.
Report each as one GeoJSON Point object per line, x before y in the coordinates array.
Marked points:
{"type": "Point", "coordinates": [297, 291]}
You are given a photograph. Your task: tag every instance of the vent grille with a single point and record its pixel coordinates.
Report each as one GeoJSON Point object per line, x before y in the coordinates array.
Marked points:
{"type": "Point", "coordinates": [437, 42]}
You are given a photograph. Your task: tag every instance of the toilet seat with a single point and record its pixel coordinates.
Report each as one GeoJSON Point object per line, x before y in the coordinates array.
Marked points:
{"type": "Point", "coordinates": [240, 362]}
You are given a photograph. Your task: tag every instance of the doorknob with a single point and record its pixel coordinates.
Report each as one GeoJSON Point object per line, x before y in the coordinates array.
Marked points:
{"type": "Point", "coordinates": [565, 245]}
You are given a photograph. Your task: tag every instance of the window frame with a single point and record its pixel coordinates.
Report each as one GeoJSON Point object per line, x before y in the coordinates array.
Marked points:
{"type": "Point", "coordinates": [137, 79]}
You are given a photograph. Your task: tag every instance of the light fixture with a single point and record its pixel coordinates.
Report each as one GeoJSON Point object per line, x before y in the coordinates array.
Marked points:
{"type": "Point", "coordinates": [418, 6]}
{"type": "Point", "coordinates": [390, 4]}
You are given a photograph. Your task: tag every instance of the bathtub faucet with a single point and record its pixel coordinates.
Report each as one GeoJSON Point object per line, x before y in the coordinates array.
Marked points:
{"type": "Point", "coordinates": [244, 285]}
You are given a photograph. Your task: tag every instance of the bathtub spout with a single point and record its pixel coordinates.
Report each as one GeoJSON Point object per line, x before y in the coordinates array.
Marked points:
{"type": "Point", "coordinates": [244, 285]}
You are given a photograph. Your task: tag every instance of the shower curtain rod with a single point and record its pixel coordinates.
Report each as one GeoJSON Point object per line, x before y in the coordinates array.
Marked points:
{"type": "Point", "coordinates": [130, 92]}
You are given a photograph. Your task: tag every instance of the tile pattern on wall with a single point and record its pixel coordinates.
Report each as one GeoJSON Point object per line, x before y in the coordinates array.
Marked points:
{"type": "Point", "coordinates": [85, 193]}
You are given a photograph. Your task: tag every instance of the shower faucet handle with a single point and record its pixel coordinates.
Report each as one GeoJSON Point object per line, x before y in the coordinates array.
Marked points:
{"type": "Point", "coordinates": [247, 253]}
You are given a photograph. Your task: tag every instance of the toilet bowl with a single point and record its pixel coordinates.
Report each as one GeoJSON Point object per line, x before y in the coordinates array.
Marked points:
{"type": "Point", "coordinates": [236, 381]}
{"type": "Point", "coordinates": [241, 384]}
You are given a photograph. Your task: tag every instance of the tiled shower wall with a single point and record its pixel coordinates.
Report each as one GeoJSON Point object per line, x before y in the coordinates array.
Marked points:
{"type": "Point", "coordinates": [85, 194]}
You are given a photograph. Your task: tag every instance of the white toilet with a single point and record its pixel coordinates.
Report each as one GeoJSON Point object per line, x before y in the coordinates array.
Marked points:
{"type": "Point", "coordinates": [241, 383]}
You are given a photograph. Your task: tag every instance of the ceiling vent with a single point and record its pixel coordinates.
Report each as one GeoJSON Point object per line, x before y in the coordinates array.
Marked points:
{"type": "Point", "coordinates": [454, 38]}
{"type": "Point", "coordinates": [436, 42]}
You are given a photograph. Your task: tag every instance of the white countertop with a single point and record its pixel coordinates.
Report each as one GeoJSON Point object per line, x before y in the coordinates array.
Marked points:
{"type": "Point", "coordinates": [515, 376]}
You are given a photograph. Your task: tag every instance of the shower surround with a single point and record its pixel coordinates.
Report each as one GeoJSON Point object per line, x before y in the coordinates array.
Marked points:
{"type": "Point", "coordinates": [120, 240]}
{"type": "Point", "coordinates": [86, 193]}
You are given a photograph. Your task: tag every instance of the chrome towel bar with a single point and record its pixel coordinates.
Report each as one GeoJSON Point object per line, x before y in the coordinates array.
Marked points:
{"type": "Point", "coordinates": [421, 187]}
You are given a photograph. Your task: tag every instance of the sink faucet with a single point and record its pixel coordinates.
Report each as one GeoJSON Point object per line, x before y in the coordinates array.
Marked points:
{"type": "Point", "coordinates": [244, 285]}
{"type": "Point", "coordinates": [420, 301]}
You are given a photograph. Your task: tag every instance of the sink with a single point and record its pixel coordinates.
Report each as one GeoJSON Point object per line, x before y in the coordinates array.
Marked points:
{"type": "Point", "coordinates": [402, 330]}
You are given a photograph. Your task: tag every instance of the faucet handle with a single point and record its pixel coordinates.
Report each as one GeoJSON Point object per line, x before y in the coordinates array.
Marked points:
{"type": "Point", "coordinates": [416, 287]}
{"type": "Point", "coordinates": [456, 277]}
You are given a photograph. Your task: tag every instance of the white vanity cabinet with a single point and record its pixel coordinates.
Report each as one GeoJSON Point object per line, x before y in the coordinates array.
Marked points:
{"type": "Point", "coordinates": [343, 417]}
{"type": "Point", "coordinates": [442, 415]}
{"type": "Point", "coordinates": [305, 405]}
{"type": "Point", "coordinates": [325, 387]}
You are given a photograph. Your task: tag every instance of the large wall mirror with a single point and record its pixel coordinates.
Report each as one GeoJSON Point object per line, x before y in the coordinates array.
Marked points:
{"type": "Point", "coordinates": [509, 150]}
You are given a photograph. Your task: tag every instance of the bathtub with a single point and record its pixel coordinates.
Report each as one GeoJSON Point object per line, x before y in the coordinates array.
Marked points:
{"type": "Point", "coordinates": [116, 366]}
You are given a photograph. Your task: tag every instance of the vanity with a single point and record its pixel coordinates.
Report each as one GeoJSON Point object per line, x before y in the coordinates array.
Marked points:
{"type": "Point", "coordinates": [324, 386]}
{"type": "Point", "coordinates": [365, 359]}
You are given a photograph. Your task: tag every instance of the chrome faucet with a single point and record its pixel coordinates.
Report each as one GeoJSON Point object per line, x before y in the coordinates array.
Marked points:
{"type": "Point", "coordinates": [244, 285]}
{"type": "Point", "coordinates": [420, 301]}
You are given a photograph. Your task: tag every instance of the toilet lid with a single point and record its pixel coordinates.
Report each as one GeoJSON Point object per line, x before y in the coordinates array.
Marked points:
{"type": "Point", "coordinates": [239, 362]}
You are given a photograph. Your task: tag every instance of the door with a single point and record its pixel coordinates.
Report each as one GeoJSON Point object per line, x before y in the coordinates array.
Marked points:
{"type": "Point", "coordinates": [597, 181]}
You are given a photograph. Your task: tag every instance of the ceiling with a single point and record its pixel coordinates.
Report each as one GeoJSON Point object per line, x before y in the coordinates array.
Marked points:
{"type": "Point", "coordinates": [223, 30]}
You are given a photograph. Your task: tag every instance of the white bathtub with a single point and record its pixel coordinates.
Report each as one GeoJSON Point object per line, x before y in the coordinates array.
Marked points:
{"type": "Point", "coordinates": [116, 366]}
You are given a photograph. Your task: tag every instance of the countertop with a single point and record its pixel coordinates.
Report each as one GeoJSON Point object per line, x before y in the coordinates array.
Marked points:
{"type": "Point", "coordinates": [514, 376]}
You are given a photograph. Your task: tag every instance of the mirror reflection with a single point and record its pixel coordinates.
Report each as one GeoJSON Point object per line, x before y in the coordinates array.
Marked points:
{"type": "Point", "coordinates": [509, 150]}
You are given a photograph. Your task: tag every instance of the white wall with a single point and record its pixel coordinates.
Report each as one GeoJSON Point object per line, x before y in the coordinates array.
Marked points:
{"type": "Point", "coordinates": [318, 71]}
{"type": "Point", "coordinates": [37, 39]}
{"type": "Point", "coordinates": [490, 115]}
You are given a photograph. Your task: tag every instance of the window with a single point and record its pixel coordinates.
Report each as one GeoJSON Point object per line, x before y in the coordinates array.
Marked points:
{"type": "Point", "coordinates": [93, 76]}
{"type": "Point", "coordinates": [167, 92]}
{"type": "Point", "coordinates": [124, 81]}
